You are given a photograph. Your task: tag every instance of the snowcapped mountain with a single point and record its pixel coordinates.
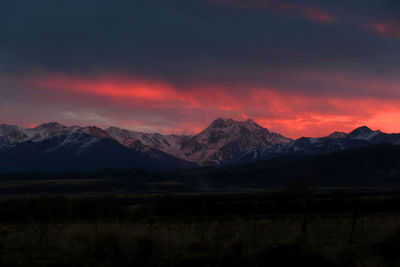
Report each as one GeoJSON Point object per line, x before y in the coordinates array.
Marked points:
{"type": "Point", "coordinates": [360, 137]}
{"type": "Point", "coordinates": [226, 130]}
{"type": "Point", "coordinates": [363, 133]}
{"type": "Point", "coordinates": [72, 144]}
{"type": "Point", "coordinates": [9, 129]}
{"type": "Point", "coordinates": [78, 152]}
{"type": "Point", "coordinates": [14, 134]}
{"type": "Point", "coordinates": [171, 144]}
{"type": "Point", "coordinates": [11, 134]}
{"type": "Point", "coordinates": [337, 135]}
{"type": "Point", "coordinates": [222, 141]}
{"type": "Point", "coordinates": [225, 139]}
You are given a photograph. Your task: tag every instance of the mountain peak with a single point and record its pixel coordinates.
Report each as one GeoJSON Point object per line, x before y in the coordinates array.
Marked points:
{"type": "Point", "coordinates": [360, 130]}
{"type": "Point", "coordinates": [96, 132]}
{"type": "Point", "coordinates": [50, 125]}
{"type": "Point", "coordinates": [3, 125]}
{"type": "Point", "coordinates": [113, 128]}
{"type": "Point", "coordinates": [337, 135]}
{"type": "Point", "coordinates": [363, 129]}
{"type": "Point", "coordinates": [6, 129]}
{"type": "Point", "coordinates": [363, 132]}
{"type": "Point", "coordinates": [251, 122]}
{"type": "Point", "coordinates": [220, 123]}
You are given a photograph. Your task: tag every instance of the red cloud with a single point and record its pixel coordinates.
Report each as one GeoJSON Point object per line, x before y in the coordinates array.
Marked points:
{"type": "Point", "coordinates": [158, 106]}
{"type": "Point", "coordinates": [296, 115]}
{"type": "Point", "coordinates": [314, 14]}
{"type": "Point", "coordinates": [113, 87]}
{"type": "Point", "coordinates": [317, 15]}
{"type": "Point", "coordinates": [389, 29]}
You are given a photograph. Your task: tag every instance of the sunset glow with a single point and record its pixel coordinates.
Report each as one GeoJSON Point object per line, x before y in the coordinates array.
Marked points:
{"type": "Point", "coordinates": [300, 68]}
{"type": "Point", "coordinates": [289, 113]}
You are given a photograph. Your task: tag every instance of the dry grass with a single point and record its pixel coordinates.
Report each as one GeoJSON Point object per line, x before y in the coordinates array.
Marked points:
{"type": "Point", "coordinates": [277, 241]}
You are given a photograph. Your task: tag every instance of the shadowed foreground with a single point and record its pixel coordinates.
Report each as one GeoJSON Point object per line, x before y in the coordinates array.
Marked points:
{"type": "Point", "coordinates": [292, 228]}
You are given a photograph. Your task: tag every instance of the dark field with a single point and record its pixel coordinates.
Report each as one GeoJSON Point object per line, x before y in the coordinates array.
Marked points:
{"type": "Point", "coordinates": [295, 226]}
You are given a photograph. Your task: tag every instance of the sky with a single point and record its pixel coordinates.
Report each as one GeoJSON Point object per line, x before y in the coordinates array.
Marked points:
{"type": "Point", "coordinates": [300, 68]}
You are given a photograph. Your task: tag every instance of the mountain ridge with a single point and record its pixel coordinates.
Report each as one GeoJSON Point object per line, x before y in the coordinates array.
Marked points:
{"type": "Point", "coordinates": [223, 142]}
{"type": "Point", "coordinates": [77, 152]}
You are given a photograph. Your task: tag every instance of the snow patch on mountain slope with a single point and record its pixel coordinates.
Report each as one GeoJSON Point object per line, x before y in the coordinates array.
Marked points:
{"type": "Point", "coordinates": [221, 141]}
{"type": "Point", "coordinates": [78, 140]}
{"type": "Point", "coordinates": [46, 131]}
{"type": "Point", "coordinates": [9, 129]}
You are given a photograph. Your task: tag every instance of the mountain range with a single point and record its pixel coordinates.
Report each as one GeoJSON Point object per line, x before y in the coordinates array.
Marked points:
{"type": "Point", "coordinates": [52, 147]}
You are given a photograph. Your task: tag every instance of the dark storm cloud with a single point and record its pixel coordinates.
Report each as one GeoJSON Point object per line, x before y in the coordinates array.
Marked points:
{"type": "Point", "coordinates": [187, 41]}
{"type": "Point", "coordinates": [298, 66]}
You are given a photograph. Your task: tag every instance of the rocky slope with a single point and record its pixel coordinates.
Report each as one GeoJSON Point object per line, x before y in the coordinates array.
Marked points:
{"type": "Point", "coordinates": [222, 141]}
{"type": "Point", "coordinates": [337, 141]}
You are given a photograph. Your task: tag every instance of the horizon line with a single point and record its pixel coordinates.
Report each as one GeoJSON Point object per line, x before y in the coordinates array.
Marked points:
{"type": "Point", "coordinates": [33, 126]}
